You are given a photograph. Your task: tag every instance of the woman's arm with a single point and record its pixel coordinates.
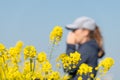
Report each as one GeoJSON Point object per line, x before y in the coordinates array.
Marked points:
{"type": "Point", "coordinates": [70, 43]}
{"type": "Point", "coordinates": [70, 48]}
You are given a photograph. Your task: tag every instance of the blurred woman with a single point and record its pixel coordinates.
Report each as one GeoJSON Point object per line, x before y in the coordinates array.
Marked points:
{"type": "Point", "coordinates": [85, 37]}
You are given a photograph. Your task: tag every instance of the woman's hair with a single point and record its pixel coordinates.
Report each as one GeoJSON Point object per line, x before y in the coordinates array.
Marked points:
{"type": "Point", "coordinates": [96, 34]}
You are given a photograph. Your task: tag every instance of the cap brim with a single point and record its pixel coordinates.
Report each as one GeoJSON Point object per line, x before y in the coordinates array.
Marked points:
{"type": "Point", "coordinates": [71, 27]}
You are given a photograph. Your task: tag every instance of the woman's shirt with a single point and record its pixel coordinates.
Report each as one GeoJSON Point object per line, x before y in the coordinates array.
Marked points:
{"type": "Point", "coordinates": [89, 55]}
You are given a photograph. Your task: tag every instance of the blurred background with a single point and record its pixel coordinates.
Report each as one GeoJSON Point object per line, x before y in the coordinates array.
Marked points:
{"type": "Point", "coordinates": [32, 21]}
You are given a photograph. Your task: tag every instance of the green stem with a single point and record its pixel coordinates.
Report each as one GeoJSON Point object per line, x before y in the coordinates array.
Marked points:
{"type": "Point", "coordinates": [51, 51]}
{"type": "Point", "coordinates": [31, 68]}
{"type": "Point", "coordinates": [4, 73]}
{"type": "Point", "coordinates": [34, 66]}
{"type": "Point", "coordinates": [3, 68]}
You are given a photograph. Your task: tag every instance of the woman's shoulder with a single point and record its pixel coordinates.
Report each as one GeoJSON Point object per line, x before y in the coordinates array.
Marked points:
{"type": "Point", "coordinates": [89, 47]}
{"type": "Point", "coordinates": [91, 43]}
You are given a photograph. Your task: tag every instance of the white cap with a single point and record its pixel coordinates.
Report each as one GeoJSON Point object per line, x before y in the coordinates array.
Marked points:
{"type": "Point", "coordinates": [82, 22]}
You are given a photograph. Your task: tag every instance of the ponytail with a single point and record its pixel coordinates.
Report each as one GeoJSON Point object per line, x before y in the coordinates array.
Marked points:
{"type": "Point", "coordinates": [96, 34]}
{"type": "Point", "coordinates": [98, 37]}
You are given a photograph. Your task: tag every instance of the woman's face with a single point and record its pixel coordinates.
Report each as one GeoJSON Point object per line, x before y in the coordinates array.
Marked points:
{"type": "Point", "coordinates": [80, 34]}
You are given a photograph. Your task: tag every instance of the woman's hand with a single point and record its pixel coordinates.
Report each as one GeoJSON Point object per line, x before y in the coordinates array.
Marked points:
{"type": "Point", "coordinates": [71, 38]}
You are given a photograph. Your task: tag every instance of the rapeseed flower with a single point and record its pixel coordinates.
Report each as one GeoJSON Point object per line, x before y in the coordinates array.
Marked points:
{"type": "Point", "coordinates": [56, 34]}
{"type": "Point", "coordinates": [38, 67]}
{"type": "Point", "coordinates": [46, 67]}
{"type": "Point", "coordinates": [84, 69]}
{"type": "Point", "coordinates": [41, 57]}
{"type": "Point", "coordinates": [106, 64]}
{"type": "Point", "coordinates": [29, 52]}
{"type": "Point", "coordinates": [2, 47]}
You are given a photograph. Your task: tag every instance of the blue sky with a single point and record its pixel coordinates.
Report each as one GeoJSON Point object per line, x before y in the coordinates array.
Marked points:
{"type": "Point", "coordinates": [32, 20]}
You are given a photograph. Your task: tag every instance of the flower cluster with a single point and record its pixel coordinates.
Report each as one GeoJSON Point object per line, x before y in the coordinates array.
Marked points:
{"type": "Point", "coordinates": [105, 65]}
{"type": "Point", "coordinates": [37, 65]}
{"type": "Point", "coordinates": [75, 57]}
{"type": "Point", "coordinates": [69, 61]}
{"type": "Point", "coordinates": [9, 61]}
{"type": "Point", "coordinates": [42, 57]}
{"type": "Point", "coordinates": [84, 69]}
{"type": "Point", "coordinates": [56, 34]}
{"type": "Point", "coordinates": [29, 52]}
{"type": "Point", "coordinates": [2, 48]}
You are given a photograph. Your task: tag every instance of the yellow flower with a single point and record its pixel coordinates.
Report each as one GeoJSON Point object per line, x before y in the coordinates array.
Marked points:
{"type": "Point", "coordinates": [56, 34]}
{"type": "Point", "coordinates": [106, 64]}
{"type": "Point", "coordinates": [28, 76]}
{"type": "Point", "coordinates": [66, 62]}
{"type": "Point", "coordinates": [75, 57]}
{"type": "Point", "coordinates": [13, 73]}
{"type": "Point", "coordinates": [4, 58]}
{"type": "Point", "coordinates": [92, 75]}
{"type": "Point", "coordinates": [79, 78]}
{"type": "Point", "coordinates": [2, 47]}
{"type": "Point", "coordinates": [37, 76]}
{"type": "Point", "coordinates": [54, 76]}
{"type": "Point", "coordinates": [41, 57]}
{"type": "Point", "coordinates": [39, 67]}
{"type": "Point", "coordinates": [14, 51]}
{"type": "Point", "coordinates": [26, 67]}
{"type": "Point", "coordinates": [66, 77]}
{"type": "Point", "coordinates": [84, 69]}
{"type": "Point", "coordinates": [19, 44]}
{"type": "Point", "coordinates": [71, 61]}
{"type": "Point", "coordinates": [97, 79]}
{"type": "Point", "coordinates": [61, 57]}
{"type": "Point", "coordinates": [29, 52]}
{"type": "Point", "coordinates": [46, 67]}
